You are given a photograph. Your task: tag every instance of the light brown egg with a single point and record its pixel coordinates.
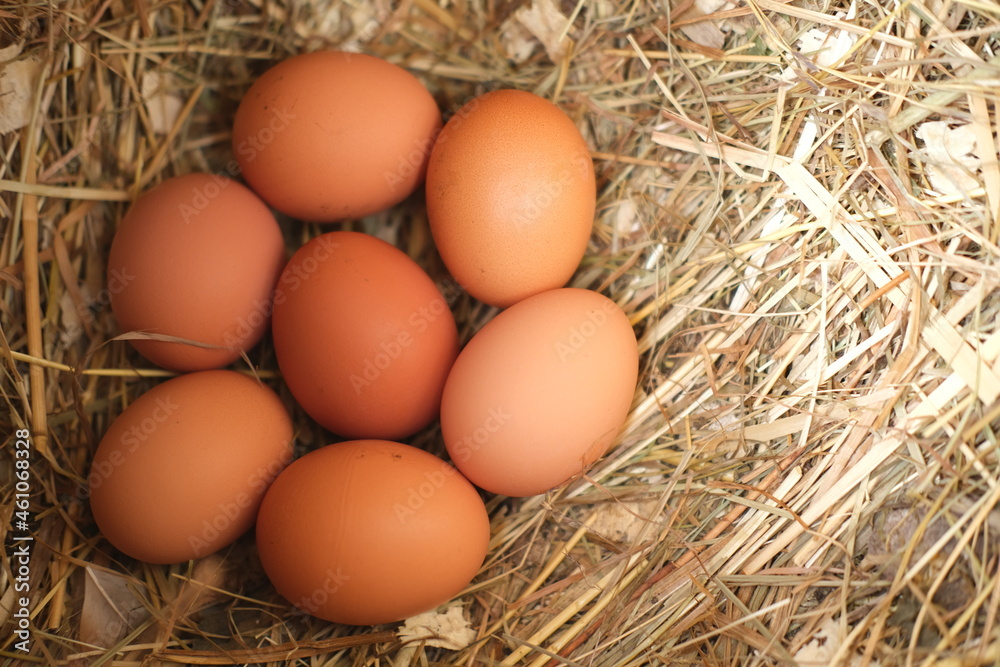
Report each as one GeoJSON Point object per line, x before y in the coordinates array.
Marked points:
{"type": "Point", "coordinates": [540, 392]}
{"type": "Point", "coordinates": [510, 196]}
{"type": "Point", "coordinates": [363, 337]}
{"type": "Point", "coordinates": [330, 135]}
{"type": "Point", "coordinates": [195, 257]}
{"type": "Point", "coordinates": [368, 532]}
{"type": "Point", "coordinates": [181, 472]}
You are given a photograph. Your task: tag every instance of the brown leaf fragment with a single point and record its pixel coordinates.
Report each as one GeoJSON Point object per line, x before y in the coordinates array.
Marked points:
{"type": "Point", "coordinates": [19, 80]}
{"type": "Point", "coordinates": [112, 608]}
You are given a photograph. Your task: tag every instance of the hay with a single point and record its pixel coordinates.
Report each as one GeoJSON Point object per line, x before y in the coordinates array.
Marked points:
{"type": "Point", "coordinates": [809, 473]}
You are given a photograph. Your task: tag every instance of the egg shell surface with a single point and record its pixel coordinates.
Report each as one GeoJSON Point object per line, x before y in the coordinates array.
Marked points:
{"type": "Point", "coordinates": [540, 392]}
{"type": "Point", "coordinates": [510, 196]}
{"type": "Point", "coordinates": [329, 135]}
{"type": "Point", "coordinates": [368, 532]}
{"type": "Point", "coordinates": [181, 472]}
{"type": "Point", "coordinates": [195, 257]}
{"type": "Point", "coordinates": [364, 338]}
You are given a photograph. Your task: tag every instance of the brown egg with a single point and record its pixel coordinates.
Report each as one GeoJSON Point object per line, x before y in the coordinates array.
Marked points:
{"type": "Point", "coordinates": [182, 471]}
{"type": "Point", "coordinates": [510, 196]}
{"type": "Point", "coordinates": [329, 135]}
{"type": "Point", "coordinates": [195, 257]}
{"type": "Point", "coordinates": [540, 392]}
{"type": "Point", "coordinates": [363, 337]}
{"type": "Point", "coordinates": [369, 531]}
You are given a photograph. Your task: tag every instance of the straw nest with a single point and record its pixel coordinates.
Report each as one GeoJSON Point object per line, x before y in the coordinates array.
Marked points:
{"type": "Point", "coordinates": [799, 209]}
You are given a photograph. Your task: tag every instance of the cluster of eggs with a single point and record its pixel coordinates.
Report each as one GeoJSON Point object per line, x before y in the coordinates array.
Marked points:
{"type": "Point", "coordinates": [369, 530]}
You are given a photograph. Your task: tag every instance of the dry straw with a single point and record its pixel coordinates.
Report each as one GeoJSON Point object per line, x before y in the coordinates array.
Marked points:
{"type": "Point", "coordinates": [799, 208]}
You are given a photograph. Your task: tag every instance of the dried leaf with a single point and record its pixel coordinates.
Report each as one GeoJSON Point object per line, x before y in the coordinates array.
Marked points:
{"type": "Point", "coordinates": [7, 604]}
{"type": "Point", "coordinates": [15, 31]}
{"type": "Point", "coordinates": [201, 589]}
{"type": "Point", "coordinates": [11, 51]}
{"type": "Point", "coordinates": [112, 608]}
{"type": "Point", "coordinates": [903, 526]}
{"type": "Point", "coordinates": [819, 651]}
{"type": "Point", "coordinates": [517, 42]}
{"type": "Point", "coordinates": [627, 218]}
{"type": "Point", "coordinates": [162, 105]}
{"type": "Point", "coordinates": [368, 21]}
{"type": "Point", "coordinates": [72, 323]}
{"type": "Point", "coordinates": [826, 48]}
{"type": "Point", "coordinates": [950, 154]}
{"type": "Point", "coordinates": [326, 17]}
{"type": "Point", "coordinates": [712, 6]}
{"type": "Point", "coordinates": [823, 48]}
{"type": "Point", "coordinates": [706, 33]}
{"type": "Point", "coordinates": [544, 20]}
{"type": "Point", "coordinates": [18, 82]}
{"type": "Point", "coordinates": [624, 521]}
{"type": "Point", "coordinates": [822, 648]}
{"type": "Point", "coordinates": [448, 629]}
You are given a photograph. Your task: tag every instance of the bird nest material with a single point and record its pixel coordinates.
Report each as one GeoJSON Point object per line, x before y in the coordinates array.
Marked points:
{"type": "Point", "coordinates": [798, 208]}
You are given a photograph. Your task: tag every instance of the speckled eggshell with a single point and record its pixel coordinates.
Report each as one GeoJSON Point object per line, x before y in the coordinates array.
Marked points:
{"type": "Point", "coordinates": [510, 196]}
{"type": "Point", "coordinates": [181, 472]}
{"type": "Point", "coordinates": [368, 532]}
{"type": "Point", "coordinates": [195, 257]}
{"type": "Point", "coordinates": [540, 392]}
{"type": "Point", "coordinates": [331, 135]}
{"type": "Point", "coordinates": [363, 337]}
